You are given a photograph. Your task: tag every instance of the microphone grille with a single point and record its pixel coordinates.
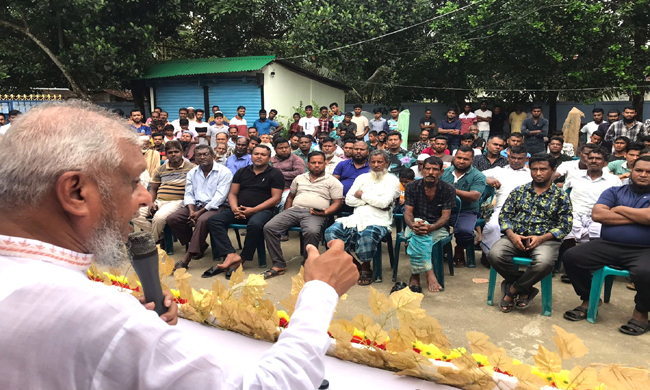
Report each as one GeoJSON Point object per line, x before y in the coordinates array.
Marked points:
{"type": "Point", "coordinates": [141, 243]}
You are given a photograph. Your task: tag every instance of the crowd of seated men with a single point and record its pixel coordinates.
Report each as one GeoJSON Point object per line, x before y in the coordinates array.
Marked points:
{"type": "Point", "coordinates": [586, 211]}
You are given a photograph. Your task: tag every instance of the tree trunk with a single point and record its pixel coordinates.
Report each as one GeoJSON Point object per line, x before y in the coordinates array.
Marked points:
{"type": "Point", "coordinates": [552, 113]}
{"type": "Point", "coordinates": [80, 91]}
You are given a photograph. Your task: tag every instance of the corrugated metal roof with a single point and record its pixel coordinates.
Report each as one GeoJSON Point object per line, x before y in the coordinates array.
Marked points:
{"type": "Point", "coordinates": [207, 66]}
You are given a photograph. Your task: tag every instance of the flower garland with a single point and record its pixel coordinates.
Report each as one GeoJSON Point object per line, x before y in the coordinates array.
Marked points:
{"type": "Point", "coordinates": [417, 348]}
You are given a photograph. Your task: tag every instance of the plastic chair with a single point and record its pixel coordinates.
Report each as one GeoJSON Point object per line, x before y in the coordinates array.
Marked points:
{"type": "Point", "coordinates": [604, 275]}
{"type": "Point", "coordinates": [377, 259]}
{"type": "Point", "coordinates": [168, 240]}
{"type": "Point", "coordinates": [261, 248]}
{"type": "Point", "coordinates": [437, 256]}
{"type": "Point", "coordinates": [547, 286]}
{"type": "Point", "coordinates": [398, 220]}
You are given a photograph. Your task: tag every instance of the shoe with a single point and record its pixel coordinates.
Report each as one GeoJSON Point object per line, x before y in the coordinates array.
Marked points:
{"type": "Point", "coordinates": [284, 238]}
{"type": "Point", "coordinates": [213, 271]}
{"type": "Point", "coordinates": [565, 278]}
{"type": "Point", "coordinates": [398, 286]}
{"type": "Point", "coordinates": [416, 288]}
{"type": "Point", "coordinates": [178, 265]}
{"type": "Point", "coordinates": [484, 261]}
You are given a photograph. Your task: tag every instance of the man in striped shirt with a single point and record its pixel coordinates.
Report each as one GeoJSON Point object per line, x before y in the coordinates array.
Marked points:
{"type": "Point", "coordinates": [168, 190]}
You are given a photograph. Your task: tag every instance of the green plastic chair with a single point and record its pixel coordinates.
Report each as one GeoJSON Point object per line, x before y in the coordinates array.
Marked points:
{"type": "Point", "coordinates": [547, 286]}
{"type": "Point", "coordinates": [169, 240]}
{"type": "Point", "coordinates": [436, 254]}
{"type": "Point", "coordinates": [605, 276]}
{"type": "Point", "coordinates": [261, 247]}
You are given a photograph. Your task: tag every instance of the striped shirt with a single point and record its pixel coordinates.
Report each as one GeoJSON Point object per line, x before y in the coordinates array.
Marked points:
{"type": "Point", "coordinates": [171, 180]}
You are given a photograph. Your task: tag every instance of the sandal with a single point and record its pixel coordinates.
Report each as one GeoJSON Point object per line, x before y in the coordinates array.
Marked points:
{"type": "Point", "coordinates": [271, 273]}
{"type": "Point", "coordinates": [634, 327]}
{"type": "Point", "coordinates": [505, 306]}
{"type": "Point", "coordinates": [524, 303]}
{"type": "Point", "coordinates": [577, 314]}
{"type": "Point", "coordinates": [416, 288]}
{"type": "Point", "coordinates": [460, 263]}
{"type": "Point", "coordinates": [365, 278]}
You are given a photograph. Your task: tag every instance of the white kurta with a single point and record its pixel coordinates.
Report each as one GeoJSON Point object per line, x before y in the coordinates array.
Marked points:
{"type": "Point", "coordinates": [375, 205]}
{"type": "Point", "coordinates": [60, 330]}
{"type": "Point", "coordinates": [509, 179]}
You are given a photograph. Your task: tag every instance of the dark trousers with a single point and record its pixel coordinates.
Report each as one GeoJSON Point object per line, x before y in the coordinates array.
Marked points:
{"type": "Point", "coordinates": [218, 225]}
{"type": "Point", "coordinates": [196, 239]}
{"type": "Point", "coordinates": [543, 258]}
{"type": "Point", "coordinates": [581, 261]}
{"type": "Point", "coordinates": [464, 223]}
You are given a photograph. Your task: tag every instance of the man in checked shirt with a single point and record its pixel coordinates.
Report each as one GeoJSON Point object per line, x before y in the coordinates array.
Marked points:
{"type": "Point", "coordinates": [535, 218]}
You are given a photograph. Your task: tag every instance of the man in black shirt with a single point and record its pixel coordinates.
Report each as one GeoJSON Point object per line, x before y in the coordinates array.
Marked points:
{"type": "Point", "coordinates": [427, 208]}
{"type": "Point", "coordinates": [498, 121]}
{"type": "Point", "coordinates": [492, 157]}
{"type": "Point", "coordinates": [428, 123]}
{"type": "Point", "coordinates": [256, 189]}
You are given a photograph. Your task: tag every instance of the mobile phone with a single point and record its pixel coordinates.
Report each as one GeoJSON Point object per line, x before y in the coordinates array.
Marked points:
{"type": "Point", "coordinates": [319, 210]}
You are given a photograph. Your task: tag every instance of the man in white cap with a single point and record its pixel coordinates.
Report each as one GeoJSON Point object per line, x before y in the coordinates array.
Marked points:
{"type": "Point", "coordinates": [191, 115]}
{"type": "Point", "coordinates": [417, 168]}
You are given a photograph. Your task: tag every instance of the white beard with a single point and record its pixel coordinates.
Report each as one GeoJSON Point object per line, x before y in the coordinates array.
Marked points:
{"type": "Point", "coordinates": [378, 176]}
{"type": "Point", "coordinates": [329, 156]}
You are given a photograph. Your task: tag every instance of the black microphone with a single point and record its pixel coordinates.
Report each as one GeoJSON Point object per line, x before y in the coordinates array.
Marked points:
{"type": "Point", "coordinates": [144, 258]}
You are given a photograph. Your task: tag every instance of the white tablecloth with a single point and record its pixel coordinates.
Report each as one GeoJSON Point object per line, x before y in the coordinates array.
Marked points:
{"type": "Point", "coordinates": [242, 351]}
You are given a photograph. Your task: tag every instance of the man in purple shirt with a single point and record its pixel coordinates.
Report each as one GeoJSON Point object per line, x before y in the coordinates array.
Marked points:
{"type": "Point", "coordinates": [347, 171]}
{"type": "Point", "coordinates": [624, 213]}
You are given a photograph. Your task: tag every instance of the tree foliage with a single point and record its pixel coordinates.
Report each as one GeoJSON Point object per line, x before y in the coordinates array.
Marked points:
{"type": "Point", "coordinates": [511, 50]}
{"type": "Point", "coordinates": [87, 44]}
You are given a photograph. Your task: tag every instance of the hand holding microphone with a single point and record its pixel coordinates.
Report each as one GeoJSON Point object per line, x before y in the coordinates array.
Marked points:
{"type": "Point", "coordinates": [144, 258]}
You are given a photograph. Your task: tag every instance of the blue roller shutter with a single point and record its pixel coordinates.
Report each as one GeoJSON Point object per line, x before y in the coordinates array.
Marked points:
{"type": "Point", "coordinates": [229, 94]}
{"type": "Point", "coordinates": [174, 94]}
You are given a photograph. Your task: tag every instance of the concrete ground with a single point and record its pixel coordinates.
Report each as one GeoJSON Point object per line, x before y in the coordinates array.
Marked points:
{"type": "Point", "coordinates": [462, 308]}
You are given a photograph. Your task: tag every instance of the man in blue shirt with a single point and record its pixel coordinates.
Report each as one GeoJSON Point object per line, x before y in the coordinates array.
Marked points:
{"type": "Point", "coordinates": [240, 158]}
{"type": "Point", "coordinates": [137, 125]}
{"type": "Point", "coordinates": [624, 213]}
{"type": "Point", "coordinates": [534, 130]}
{"type": "Point", "coordinates": [470, 184]}
{"type": "Point", "coordinates": [450, 128]}
{"type": "Point", "coordinates": [263, 125]}
{"type": "Point", "coordinates": [206, 189]}
{"type": "Point", "coordinates": [348, 170]}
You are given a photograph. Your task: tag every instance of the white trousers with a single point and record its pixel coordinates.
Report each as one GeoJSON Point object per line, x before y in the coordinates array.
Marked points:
{"type": "Point", "coordinates": [156, 225]}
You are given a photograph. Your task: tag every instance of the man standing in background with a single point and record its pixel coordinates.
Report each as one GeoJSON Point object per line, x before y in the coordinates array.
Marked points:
{"type": "Point", "coordinates": [483, 119]}
{"type": "Point", "coordinates": [467, 118]}
{"type": "Point", "coordinates": [428, 123]}
{"type": "Point", "coordinates": [363, 126]}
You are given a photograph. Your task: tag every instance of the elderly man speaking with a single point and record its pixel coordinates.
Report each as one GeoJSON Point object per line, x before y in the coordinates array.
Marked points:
{"type": "Point", "coordinates": [66, 197]}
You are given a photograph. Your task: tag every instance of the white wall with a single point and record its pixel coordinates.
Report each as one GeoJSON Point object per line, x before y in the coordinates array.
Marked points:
{"type": "Point", "coordinates": [286, 89]}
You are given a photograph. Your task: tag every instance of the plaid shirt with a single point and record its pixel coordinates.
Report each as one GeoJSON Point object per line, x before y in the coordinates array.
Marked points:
{"type": "Point", "coordinates": [527, 213]}
{"type": "Point", "coordinates": [325, 125]}
{"type": "Point", "coordinates": [618, 129]}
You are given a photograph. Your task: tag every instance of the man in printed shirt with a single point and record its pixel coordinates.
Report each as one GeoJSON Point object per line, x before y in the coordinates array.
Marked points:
{"type": "Point", "coordinates": [535, 218]}
{"type": "Point", "coordinates": [69, 211]}
{"type": "Point", "coordinates": [168, 190]}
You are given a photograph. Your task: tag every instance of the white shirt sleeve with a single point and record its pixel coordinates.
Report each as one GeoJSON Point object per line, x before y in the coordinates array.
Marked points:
{"type": "Point", "coordinates": [147, 353]}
